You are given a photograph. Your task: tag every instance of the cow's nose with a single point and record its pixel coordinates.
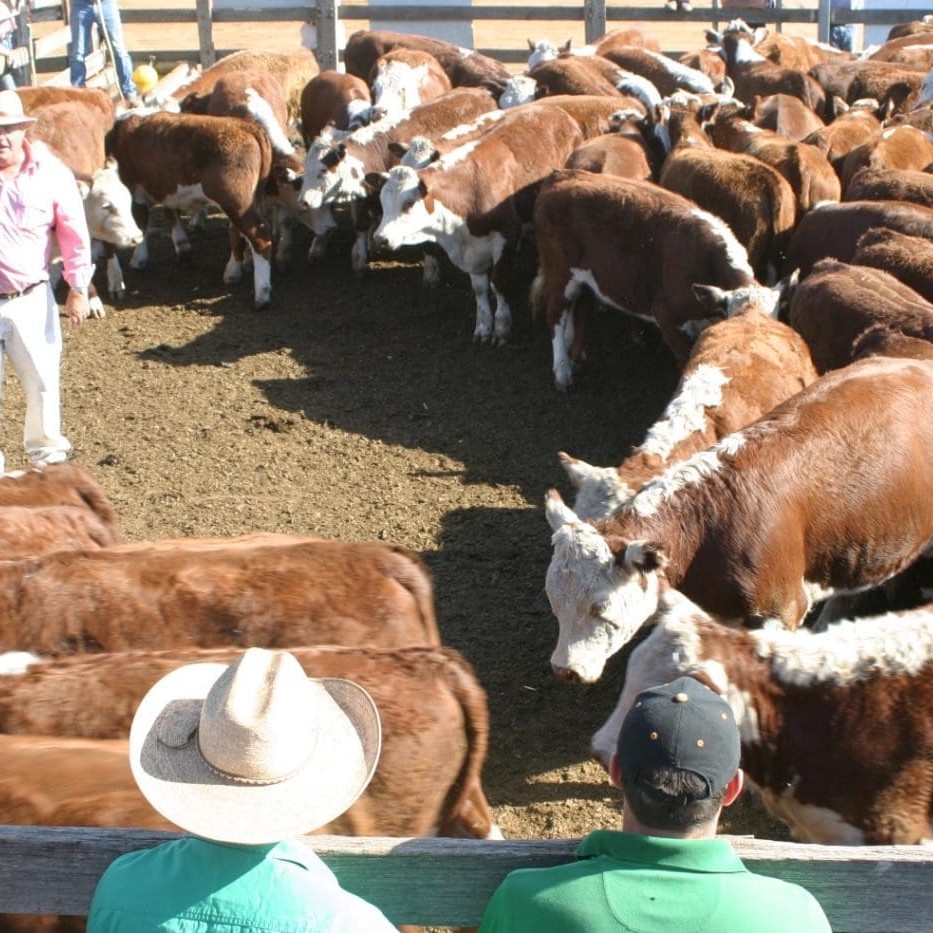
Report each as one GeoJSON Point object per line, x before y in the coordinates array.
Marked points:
{"type": "Point", "coordinates": [566, 674]}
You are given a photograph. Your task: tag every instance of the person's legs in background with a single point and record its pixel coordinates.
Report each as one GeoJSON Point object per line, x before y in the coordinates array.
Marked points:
{"type": "Point", "coordinates": [82, 21]}
{"type": "Point", "coordinates": [122, 62]}
{"type": "Point", "coordinates": [842, 37]}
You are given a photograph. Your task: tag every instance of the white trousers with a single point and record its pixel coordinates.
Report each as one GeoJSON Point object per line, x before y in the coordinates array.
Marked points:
{"type": "Point", "coordinates": [31, 337]}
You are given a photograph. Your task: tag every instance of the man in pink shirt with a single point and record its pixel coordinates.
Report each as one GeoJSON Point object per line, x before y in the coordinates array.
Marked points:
{"type": "Point", "coordinates": [40, 205]}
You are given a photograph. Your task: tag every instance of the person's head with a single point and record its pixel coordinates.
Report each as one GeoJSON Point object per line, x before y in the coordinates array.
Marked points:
{"type": "Point", "coordinates": [253, 752]}
{"type": "Point", "coordinates": [677, 759]}
{"type": "Point", "coordinates": [13, 126]}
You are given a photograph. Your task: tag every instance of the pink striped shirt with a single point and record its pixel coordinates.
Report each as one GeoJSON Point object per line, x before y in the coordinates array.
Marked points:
{"type": "Point", "coordinates": [41, 200]}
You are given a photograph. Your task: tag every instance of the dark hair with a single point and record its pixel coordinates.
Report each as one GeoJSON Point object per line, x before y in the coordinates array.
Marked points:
{"type": "Point", "coordinates": [671, 799]}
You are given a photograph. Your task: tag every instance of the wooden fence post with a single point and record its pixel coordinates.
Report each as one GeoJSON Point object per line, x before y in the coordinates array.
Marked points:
{"type": "Point", "coordinates": [205, 9]}
{"type": "Point", "coordinates": [326, 22]}
{"type": "Point", "coordinates": [594, 19]}
{"type": "Point", "coordinates": [823, 21]}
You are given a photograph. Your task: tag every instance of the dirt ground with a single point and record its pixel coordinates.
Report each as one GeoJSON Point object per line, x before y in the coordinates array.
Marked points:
{"type": "Point", "coordinates": [360, 409]}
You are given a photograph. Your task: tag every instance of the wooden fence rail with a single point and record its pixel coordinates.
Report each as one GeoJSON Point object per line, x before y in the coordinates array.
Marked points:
{"type": "Point", "coordinates": [447, 882]}
{"type": "Point", "coordinates": [44, 54]}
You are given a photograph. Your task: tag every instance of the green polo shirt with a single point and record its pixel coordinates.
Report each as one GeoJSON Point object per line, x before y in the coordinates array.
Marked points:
{"type": "Point", "coordinates": [649, 884]}
{"type": "Point", "coordinates": [191, 885]}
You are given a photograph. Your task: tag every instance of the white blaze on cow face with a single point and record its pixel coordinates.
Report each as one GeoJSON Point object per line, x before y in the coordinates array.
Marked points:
{"type": "Point", "coordinates": [108, 208]}
{"type": "Point", "coordinates": [406, 220]}
{"type": "Point", "coordinates": [520, 89]}
{"type": "Point", "coordinates": [397, 86]}
{"type": "Point", "coordinates": [599, 490]}
{"type": "Point", "coordinates": [543, 51]}
{"type": "Point", "coordinates": [599, 603]}
{"type": "Point", "coordinates": [331, 176]}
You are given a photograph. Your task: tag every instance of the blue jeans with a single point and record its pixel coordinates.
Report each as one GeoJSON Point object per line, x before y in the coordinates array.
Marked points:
{"type": "Point", "coordinates": [842, 37]}
{"type": "Point", "coordinates": [83, 16]}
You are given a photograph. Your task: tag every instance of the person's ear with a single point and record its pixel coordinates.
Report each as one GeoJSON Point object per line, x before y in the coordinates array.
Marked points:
{"type": "Point", "coordinates": [734, 788]}
{"type": "Point", "coordinates": [615, 772]}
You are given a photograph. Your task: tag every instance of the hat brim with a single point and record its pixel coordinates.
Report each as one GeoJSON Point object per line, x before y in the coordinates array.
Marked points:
{"type": "Point", "coordinates": [168, 767]}
{"type": "Point", "coordinates": [13, 119]}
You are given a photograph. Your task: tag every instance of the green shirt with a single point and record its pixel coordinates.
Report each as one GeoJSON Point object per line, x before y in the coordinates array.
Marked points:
{"type": "Point", "coordinates": [191, 885]}
{"type": "Point", "coordinates": [649, 884]}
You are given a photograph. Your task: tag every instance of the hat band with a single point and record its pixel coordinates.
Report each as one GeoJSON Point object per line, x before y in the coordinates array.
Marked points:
{"type": "Point", "coordinates": [239, 778]}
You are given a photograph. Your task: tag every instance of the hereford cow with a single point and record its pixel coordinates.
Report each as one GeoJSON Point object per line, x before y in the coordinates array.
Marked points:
{"type": "Point", "coordinates": [404, 79]}
{"type": "Point", "coordinates": [474, 202]}
{"type": "Point", "coordinates": [786, 115]}
{"type": "Point", "coordinates": [187, 161]}
{"type": "Point", "coordinates": [666, 74]}
{"type": "Point", "coordinates": [849, 129]}
{"type": "Point", "coordinates": [27, 530]}
{"type": "Point", "coordinates": [833, 230]}
{"type": "Point", "coordinates": [544, 50]}
{"type": "Point", "coordinates": [836, 728]}
{"type": "Point", "coordinates": [592, 75]}
{"type": "Point", "coordinates": [890, 184]}
{"type": "Point", "coordinates": [64, 483]}
{"type": "Point", "coordinates": [293, 70]}
{"type": "Point", "coordinates": [464, 68]}
{"type": "Point", "coordinates": [895, 147]}
{"type": "Point", "coordinates": [37, 98]}
{"type": "Point", "coordinates": [270, 593]}
{"type": "Point", "coordinates": [740, 369]}
{"type": "Point", "coordinates": [908, 258]}
{"type": "Point", "coordinates": [333, 98]}
{"type": "Point", "coordinates": [435, 732]}
{"type": "Point", "coordinates": [743, 528]}
{"type": "Point", "coordinates": [637, 247]}
{"type": "Point", "coordinates": [836, 302]}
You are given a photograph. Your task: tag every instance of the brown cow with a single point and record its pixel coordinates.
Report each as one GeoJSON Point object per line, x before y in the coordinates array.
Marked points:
{"type": "Point", "coordinates": [31, 530]}
{"type": "Point", "coordinates": [270, 593]}
{"type": "Point", "coordinates": [849, 129]}
{"type": "Point", "coordinates": [836, 727]}
{"type": "Point", "coordinates": [738, 371]}
{"type": "Point", "coordinates": [761, 495]}
{"type": "Point", "coordinates": [577, 74]}
{"type": "Point", "coordinates": [786, 115]}
{"type": "Point", "coordinates": [637, 246]}
{"type": "Point", "coordinates": [895, 147]}
{"type": "Point", "coordinates": [890, 184]}
{"type": "Point", "coordinates": [908, 258]}
{"type": "Point", "coordinates": [337, 99]}
{"type": "Point", "coordinates": [58, 484]}
{"type": "Point", "coordinates": [435, 730]}
{"type": "Point", "coordinates": [836, 302]}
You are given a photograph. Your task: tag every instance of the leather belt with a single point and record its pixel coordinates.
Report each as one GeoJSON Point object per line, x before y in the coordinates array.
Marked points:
{"type": "Point", "coordinates": [6, 296]}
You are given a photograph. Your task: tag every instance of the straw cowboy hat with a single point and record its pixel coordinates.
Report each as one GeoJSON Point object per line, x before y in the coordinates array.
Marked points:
{"type": "Point", "coordinates": [11, 110]}
{"type": "Point", "coordinates": [254, 752]}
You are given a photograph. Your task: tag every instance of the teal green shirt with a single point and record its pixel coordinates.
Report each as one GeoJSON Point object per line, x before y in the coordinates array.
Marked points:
{"type": "Point", "coordinates": [649, 884]}
{"type": "Point", "coordinates": [191, 885]}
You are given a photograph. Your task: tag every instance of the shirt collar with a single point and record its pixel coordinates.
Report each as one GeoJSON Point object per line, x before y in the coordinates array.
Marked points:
{"type": "Point", "coordinates": [710, 855]}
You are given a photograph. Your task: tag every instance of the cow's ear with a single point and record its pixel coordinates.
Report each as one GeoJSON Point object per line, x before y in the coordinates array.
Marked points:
{"type": "Point", "coordinates": [426, 195]}
{"type": "Point", "coordinates": [711, 298]}
{"type": "Point", "coordinates": [643, 556]}
{"type": "Point", "coordinates": [373, 181]}
{"type": "Point", "coordinates": [531, 45]}
{"type": "Point", "coordinates": [565, 48]}
{"type": "Point", "coordinates": [398, 149]}
{"type": "Point", "coordinates": [83, 187]}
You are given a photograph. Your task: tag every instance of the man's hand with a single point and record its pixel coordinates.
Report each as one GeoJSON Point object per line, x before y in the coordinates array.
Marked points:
{"type": "Point", "coordinates": [77, 306]}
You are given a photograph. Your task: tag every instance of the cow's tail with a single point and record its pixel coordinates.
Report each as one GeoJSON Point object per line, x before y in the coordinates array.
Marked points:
{"type": "Point", "coordinates": [466, 811]}
{"type": "Point", "coordinates": [415, 576]}
{"type": "Point", "coordinates": [263, 114]}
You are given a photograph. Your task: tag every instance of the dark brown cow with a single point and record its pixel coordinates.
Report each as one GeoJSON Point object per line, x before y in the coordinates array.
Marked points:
{"type": "Point", "coordinates": [274, 592]}
{"type": "Point", "coordinates": [889, 184]}
{"type": "Point", "coordinates": [292, 69]}
{"type": "Point", "coordinates": [473, 69]}
{"type": "Point", "coordinates": [334, 98]}
{"type": "Point", "coordinates": [188, 161]}
{"type": "Point", "coordinates": [836, 773]}
{"type": "Point", "coordinates": [879, 341]}
{"type": "Point", "coordinates": [474, 203]}
{"type": "Point", "coordinates": [435, 733]}
{"type": "Point", "coordinates": [836, 302]}
{"type": "Point", "coordinates": [908, 258]}
{"type": "Point", "coordinates": [786, 115]}
{"type": "Point", "coordinates": [623, 152]}
{"type": "Point", "coordinates": [642, 249]}
{"type": "Point", "coordinates": [58, 484]}
{"type": "Point", "coordinates": [762, 493]}
{"type": "Point", "coordinates": [833, 230]}
{"type": "Point", "coordinates": [576, 74]}
{"type": "Point", "coordinates": [740, 369]}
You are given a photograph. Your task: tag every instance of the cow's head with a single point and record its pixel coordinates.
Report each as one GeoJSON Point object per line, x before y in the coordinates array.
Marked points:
{"type": "Point", "coordinates": [726, 303]}
{"type": "Point", "coordinates": [599, 490]}
{"type": "Point", "coordinates": [396, 87]}
{"type": "Point", "coordinates": [544, 51]}
{"type": "Point", "coordinates": [108, 208]}
{"type": "Point", "coordinates": [601, 596]}
{"type": "Point", "coordinates": [331, 175]}
{"type": "Point", "coordinates": [519, 89]}
{"type": "Point", "coordinates": [407, 208]}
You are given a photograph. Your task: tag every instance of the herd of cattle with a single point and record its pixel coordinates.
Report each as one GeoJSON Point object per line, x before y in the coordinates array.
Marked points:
{"type": "Point", "coordinates": [764, 201]}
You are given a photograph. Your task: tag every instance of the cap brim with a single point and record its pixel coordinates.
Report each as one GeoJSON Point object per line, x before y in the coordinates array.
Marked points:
{"type": "Point", "coordinates": [14, 120]}
{"type": "Point", "coordinates": [175, 779]}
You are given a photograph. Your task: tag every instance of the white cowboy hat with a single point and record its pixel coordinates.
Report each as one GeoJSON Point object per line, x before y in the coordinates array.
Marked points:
{"type": "Point", "coordinates": [254, 752]}
{"type": "Point", "coordinates": [11, 110]}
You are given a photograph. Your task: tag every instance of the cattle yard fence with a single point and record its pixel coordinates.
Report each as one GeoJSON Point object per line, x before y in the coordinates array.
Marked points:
{"type": "Point", "coordinates": [40, 55]}
{"type": "Point", "coordinates": [447, 882]}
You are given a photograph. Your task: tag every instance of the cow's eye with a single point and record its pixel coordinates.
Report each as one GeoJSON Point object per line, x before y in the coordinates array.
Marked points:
{"type": "Point", "coordinates": [600, 610]}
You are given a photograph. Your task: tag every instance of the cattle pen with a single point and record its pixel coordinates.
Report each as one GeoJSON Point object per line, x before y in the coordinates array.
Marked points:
{"type": "Point", "coordinates": [445, 882]}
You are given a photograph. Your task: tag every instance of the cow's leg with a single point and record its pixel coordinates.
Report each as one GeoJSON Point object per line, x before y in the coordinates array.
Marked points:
{"type": "Point", "coordinates": [431, 276]}
{"type": "Point", "coordinates": [561, 310]}
{"type": "Point", "coordinates": [318, 247]}
{"type": "Point", "coordinates": [484, 317]}
{"type": "Point", "coordinates": [143, 216]}
{"type": "Point", "coordinates": [359, 255]}
{"type": "Point", "coordinates": [95, 305]}
{"type": "Point", "coordinates": [233, 271]}
{"type": "Point", "coordinates": [502, 270]}
{"type": "Point", "coordinates": [179, 235]}
{"type": "Point", "coordinates": [251, 224]}
{"type": "Point", "coordinates": [262, 275]}
{"type": "Point", "coordinates": [283, 236]}
{"type": "Point", "coordinates": [365, 215]}
{"type": "Point", "coordinates": [116, 287]}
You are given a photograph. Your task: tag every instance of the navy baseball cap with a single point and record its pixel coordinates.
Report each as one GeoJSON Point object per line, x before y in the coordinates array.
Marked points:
{"type": "Point", "coordinates": [682, 724]}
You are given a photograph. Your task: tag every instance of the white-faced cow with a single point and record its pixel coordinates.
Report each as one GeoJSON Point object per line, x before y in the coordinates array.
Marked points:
{"type": "Point", "coordinates": [745, 529]}
{"type": "Point", "coordinates": [836, 727]}
{"type": "Point", "coordinates": [404, 79]}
